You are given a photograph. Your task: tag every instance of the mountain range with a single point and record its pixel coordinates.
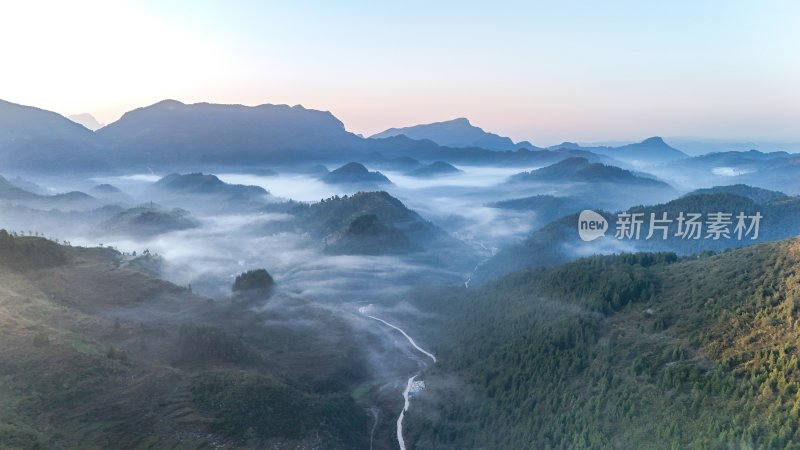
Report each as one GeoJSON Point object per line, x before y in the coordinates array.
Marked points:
{"type": "Point", "coordinates": [771, 170]}
{"type": "Point", "coordinates": [557, 242]}
{"type": "Point", "coordinates": [650, 151]}
{"type": "Point", "coordinates": [456, 133]}
{"type": "Point", "coordinates": [45, 141]}
{"type": "Point", "coordinates": [182, 136]}
{"type": "Point", "coordinates": [68, 201]}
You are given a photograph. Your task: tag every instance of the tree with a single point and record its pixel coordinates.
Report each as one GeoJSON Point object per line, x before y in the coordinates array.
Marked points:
{"type": "Point", "coordinates": [258, 279]}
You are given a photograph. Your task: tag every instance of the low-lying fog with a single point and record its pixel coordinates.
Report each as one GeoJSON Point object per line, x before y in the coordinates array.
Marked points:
{"type": "Point", "coordinates": [209, 256]}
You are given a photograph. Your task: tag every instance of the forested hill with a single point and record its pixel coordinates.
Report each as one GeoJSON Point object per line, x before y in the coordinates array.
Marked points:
{"type": "Point", "coordinates": [96, 353]}
{"type": "Point", "coordinates": [629, 351]}
{"type": "Point", "coordinates": [558, 241]}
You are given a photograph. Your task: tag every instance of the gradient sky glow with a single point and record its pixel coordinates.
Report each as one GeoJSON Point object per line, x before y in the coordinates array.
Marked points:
{"type": "Point", "coordinates": [545, 71]}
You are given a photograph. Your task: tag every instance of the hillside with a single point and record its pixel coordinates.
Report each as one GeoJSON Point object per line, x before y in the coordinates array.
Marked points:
{"type": "Point", "coordinates": [580, 170]}
{"type": "Point", "coordinates": [632, 351]}
{"type": "Point", "coordinates": [147, 221]}
{"type": "Point", "coordinates": [770, 170]}
{"type": "Point", "coordinates": [98, 354]}
{"type": "Point", "coordinates": [10, 194]}
{"type": "Point", "coordinates": [546, 207]}
{"type": "Point", "coordinates": [206, 192]}
{"type": "Point", "coordinates": [32, 139]}
{"type": "Point", "coordinates": [558, 242]}
{"type": "Point", "coordinates": [377, 223]}
{"type": "Point", "coordinates": [369, 235]}
{"type": "Point", "coordinates": [756, 194]}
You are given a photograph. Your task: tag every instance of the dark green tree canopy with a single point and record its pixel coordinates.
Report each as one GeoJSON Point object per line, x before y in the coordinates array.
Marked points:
{"type": "Point", "coordinates": [253, 280]}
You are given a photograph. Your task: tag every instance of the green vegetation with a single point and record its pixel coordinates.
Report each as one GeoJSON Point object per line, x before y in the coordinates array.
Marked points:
{"type": "Point", "coordinates": [145, 221]}
{"type": "Point", "coordinates": [253, 280]}
{"type": "Point", "coordinates": [24, 253]}
{"type": "Point", "coordinates": [558, 242]}
{"type": "Point", "coordinates": [375, 223]}
{"type": "Point", "coordinates": [337, 213]}
{"type": "Point", "coordinates": [368, 235]}
{"type": "Point", "coordinates": [206, 344]}
{"type": "Point", "coordinates": [546, 207]}
{"type": "Point", "coordinates": [630, 351]}
{"type": "Point", "coordinates": [247, 403]}
{"type": "Point", "coordinates": [579, 169]}
{"type": "Point", "coordinates": [100, 354]}
{"type": "Point", "coordinates": [756, 194]}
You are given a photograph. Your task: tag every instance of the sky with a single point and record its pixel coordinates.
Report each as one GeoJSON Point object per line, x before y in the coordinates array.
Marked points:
{"type": "Point", "coordinates": [544, 71]}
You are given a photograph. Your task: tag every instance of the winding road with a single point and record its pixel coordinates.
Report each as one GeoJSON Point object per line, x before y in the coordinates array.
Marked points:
{"type": "Point", "coordinates": [406, 400]}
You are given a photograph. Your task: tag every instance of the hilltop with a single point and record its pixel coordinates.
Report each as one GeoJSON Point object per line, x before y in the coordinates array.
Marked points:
{"type": "Point", "coordinates": [581, 170]}
{"type": "Point", "coordinates": [147, 221]}
{"type": "Point", "coordinates": [376, 223]}
{"type": "Point", "coordinates": [355, 173]}
{"type": "Point", "coordinates": [434, 169]}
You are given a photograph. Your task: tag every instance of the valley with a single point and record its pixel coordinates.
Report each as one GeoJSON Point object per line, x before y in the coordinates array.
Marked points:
{"type": "Point", "coordinates": [402, 294]}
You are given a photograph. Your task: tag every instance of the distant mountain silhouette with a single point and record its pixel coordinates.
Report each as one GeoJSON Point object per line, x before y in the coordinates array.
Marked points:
{"type": "Point", "coordinates": [456, 133]}
{"type": "Point", "coordinates": [171, 132]}
{"type": "Point", "coordinates": [199, 183]}
{"type": "Point", "coordinates": [355, 173]}
{"type": "Point", "coordinates": [69, 201]}
{"type": "Point", "coordinates": [770, 170]}
{"type": "Point", "coordinates": [87, 120]}
{"type": "Point", "coordinates": [207, 191]}
{"type": "Point", "coordinates": [28, 185]}
{"type": "Point", "coordinates": [179, 137]}
{"type": "Point", "coordinates": [110, 193]}
{"type": "Point", "coordinates": [33, 139]}
{"type": "Point", "coordinates": [652, 150]}
{"type": "Point", "coordinates": [174, 134]}
{"type": "Point", "coordinates": [752, 159]}
{"type": "Point", "coordinates": [426, 150]}
{"type": "Point", "coordinates": [434, 169]}
{"type": "Point", "coordinates": [106, 189]}
{"type": "Point", "coordinates": [580, 170]}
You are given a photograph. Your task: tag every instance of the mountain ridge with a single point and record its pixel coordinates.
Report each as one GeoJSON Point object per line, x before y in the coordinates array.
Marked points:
{"type": "Point", "coordinates": [457, 132]}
